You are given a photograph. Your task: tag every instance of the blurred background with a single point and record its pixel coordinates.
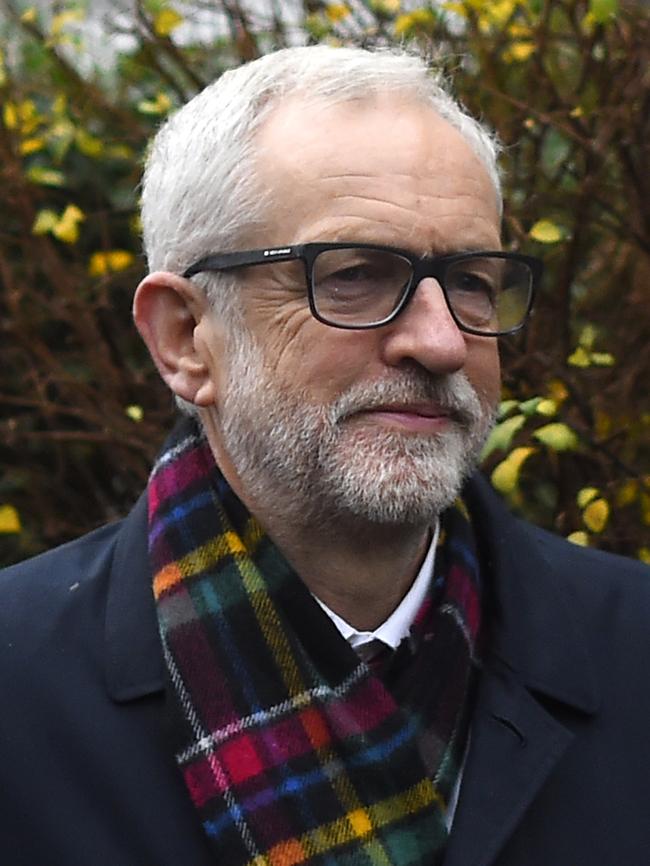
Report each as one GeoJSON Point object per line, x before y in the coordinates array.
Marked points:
{"type": "Point", "coordinates": [84, 85]}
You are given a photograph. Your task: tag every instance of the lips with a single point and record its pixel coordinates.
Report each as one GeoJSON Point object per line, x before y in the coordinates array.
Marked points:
{"type": "Point", "coordinates": [425, 410]}
{"type": "Point", "coordinates": [422, 418]}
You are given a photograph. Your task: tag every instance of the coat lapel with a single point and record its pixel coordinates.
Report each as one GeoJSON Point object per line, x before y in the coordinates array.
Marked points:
{"type": "Point", "coordinates": [538, 659]}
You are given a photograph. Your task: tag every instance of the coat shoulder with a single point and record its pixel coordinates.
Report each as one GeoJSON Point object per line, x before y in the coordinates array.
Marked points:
{"type": "Point", "coordinates": [41, 593]}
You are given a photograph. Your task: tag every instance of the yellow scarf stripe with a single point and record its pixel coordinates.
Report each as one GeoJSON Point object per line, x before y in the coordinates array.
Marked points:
{"type": "Point", "coordinates": [196, 561]}
{"type": "Point", "coordinates": [359, 824]}
{"type": "Point", "coordinates": [270, 625]}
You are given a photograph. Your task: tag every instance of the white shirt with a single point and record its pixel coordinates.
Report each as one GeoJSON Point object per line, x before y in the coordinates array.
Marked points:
{"type": "Point", "coordinates": [398, 625]}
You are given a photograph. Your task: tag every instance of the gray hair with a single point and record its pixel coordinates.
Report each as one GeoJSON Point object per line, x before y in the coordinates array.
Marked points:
{"type": "Point", "coordinates": [200, 193]}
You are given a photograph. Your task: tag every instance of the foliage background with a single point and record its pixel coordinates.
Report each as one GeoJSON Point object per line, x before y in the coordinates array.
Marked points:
{"type": "Point", "coordinates": [565, 83]}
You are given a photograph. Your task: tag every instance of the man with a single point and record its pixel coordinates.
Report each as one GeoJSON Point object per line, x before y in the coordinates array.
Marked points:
{"type": "Point", "coordinates": [302, 646]}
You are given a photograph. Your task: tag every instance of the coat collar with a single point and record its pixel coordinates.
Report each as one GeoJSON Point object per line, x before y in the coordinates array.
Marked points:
{"type": "Point", "coordinates": [536, 633]}
{"type": "Point", "coordinates": [134, 663]}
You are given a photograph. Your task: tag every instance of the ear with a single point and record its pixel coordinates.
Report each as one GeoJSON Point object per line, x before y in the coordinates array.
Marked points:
{"type": "Point", "coordinates": [168, 310]}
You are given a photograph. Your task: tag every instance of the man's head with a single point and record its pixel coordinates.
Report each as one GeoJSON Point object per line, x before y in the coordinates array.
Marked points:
{"type": "Point", "coordinates": [323, 145]}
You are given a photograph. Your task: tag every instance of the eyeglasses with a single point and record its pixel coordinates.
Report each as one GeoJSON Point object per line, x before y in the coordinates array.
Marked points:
{"type": "Point", "coordinates": [361, 286]}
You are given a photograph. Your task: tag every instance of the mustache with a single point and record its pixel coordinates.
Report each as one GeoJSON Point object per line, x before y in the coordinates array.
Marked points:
{"type": "Point", "coordinates": [452, 394]}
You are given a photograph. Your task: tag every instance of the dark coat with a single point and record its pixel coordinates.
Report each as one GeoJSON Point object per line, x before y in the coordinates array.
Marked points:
{"type": "Point", "coordinates": [558, 772]}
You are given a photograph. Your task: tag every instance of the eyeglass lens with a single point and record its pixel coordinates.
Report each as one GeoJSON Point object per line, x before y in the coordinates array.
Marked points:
{"type": "Point", "coordinates": [356, 286]}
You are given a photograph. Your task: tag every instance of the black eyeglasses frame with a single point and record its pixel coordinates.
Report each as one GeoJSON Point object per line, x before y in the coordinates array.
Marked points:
{"type": "Point", "coordinates": [421, 267]}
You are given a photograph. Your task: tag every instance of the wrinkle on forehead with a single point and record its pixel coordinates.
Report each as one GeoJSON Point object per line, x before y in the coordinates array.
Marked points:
{"type": "Point", "coordinates": [385, 165]}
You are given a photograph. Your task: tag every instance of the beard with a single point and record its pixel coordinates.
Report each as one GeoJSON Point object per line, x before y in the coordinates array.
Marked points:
{"type": "Point", "coordinates": [317, 462]}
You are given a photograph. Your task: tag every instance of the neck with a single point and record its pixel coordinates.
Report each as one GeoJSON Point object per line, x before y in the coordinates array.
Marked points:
{"type": "Point", "coordinates": [361, 572]}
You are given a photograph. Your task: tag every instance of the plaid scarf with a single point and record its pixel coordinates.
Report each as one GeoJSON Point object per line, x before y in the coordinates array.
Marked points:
{"type": "Point", "coordinates": [292, 750]}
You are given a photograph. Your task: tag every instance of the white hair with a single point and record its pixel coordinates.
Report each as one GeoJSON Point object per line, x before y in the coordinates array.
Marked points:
{"type": "Point", "coordinates": [200, 193]}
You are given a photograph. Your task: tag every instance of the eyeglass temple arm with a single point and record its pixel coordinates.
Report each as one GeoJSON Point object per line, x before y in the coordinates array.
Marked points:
{"type": "Point", "coordinates": [245, 258]}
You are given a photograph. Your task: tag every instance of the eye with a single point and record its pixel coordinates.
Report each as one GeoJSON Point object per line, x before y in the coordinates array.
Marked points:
{"type": "Point", "coordinates": [352, 274]}
{"type": "Point", "coordinates": [473, 280]}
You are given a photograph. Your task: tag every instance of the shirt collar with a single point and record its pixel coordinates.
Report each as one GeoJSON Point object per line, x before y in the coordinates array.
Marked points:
{"type": "Point", "coordinates": [398, 625]}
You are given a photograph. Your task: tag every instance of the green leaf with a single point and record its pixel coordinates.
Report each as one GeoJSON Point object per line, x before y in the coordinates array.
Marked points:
{"type": "Point", "coordinates": [45, 176]}
{"type": "Point", "coordinates": [603, 10]}
{"type": "Point", "coordinates": [529, 407]}
{"type": "Point", "coordinates": [557, 436]}
{"type": "Point", "coordinates": [506, 407]}
{"type": "Point", "coordinates": [503, 434]}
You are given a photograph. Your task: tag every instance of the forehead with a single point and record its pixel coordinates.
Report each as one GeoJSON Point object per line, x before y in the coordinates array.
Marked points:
{"type": "Point", "coordinates": [385, 169]}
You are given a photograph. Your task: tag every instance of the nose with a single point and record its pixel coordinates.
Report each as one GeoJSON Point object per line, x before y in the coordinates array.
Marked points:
{"type": "Point", "coordinates": [426, 333]}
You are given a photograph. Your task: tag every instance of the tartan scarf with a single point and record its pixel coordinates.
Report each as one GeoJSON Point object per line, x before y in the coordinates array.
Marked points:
{"type": "Point", "coordinates": [292, 749]}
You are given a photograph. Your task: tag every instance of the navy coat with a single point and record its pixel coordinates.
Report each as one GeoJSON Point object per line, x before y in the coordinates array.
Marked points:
{"type": "Point", "coordinates": [558, 771]}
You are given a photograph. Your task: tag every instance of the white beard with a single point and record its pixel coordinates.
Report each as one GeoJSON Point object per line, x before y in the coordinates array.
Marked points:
{"type": "Point", "coordinates": [317, 462]}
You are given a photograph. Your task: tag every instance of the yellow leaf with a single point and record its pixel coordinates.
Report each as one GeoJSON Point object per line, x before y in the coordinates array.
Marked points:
{"type": "Point", "coordinates": [548, 408]}
{"type": "Point", "coordinates": [587, 495]}
{"type": "Point", "coordinates": [506, 475]}
{"type": "Point", "coordinates": [67, 229]}
{"type": "Point", "coordinates": [45, 221]}
{"type": "Point", "coordinates": [627, 493]}
{"type": "Point", "coordinates": [587, 337]}
{"type": "Point", "coordinates": [418, 21]}
{"type": "Point", "coordinates": [500, 11]}
{"type": "Point", "coordinates": [596, 515]}
{"type": "Point", "coordinates": [31, 145]}
{"type": "Point", "coordinates": [644, 554]}
{"type": "Point", "coordinates": [160, 105]}
{"type": "Point", "coordinates": [337, 12]}
{"type": "Point", "coordinates": [603, 424]}
{"type": "Point", "coordinates": [88, 144]}
{"type": "Point", "coordinates": [385, 7]}
{"type": "Point", "coordinates": [134, 412]}
{"type": "Point", "coordinates": [10, 115]}
{"type": "Point", "coordinates": [603, 359]}
{"type": "Point", "coordinates": [546, 232]}
{"type": "Point", "coordinates": [119, 151]}
{"type": "Point", "coordinates": [60, 21]}
{"type": "Point", "coordinates": [28, 16]}
{"type": "Point", "coordinates": [9, 520]}
{"type": "Point", "coordinates": [579, 358]}
{"type": "Point", "coordinates": [557, 390]}
{"type": "Point", "coordinates": [557, 436]}
{"type": "Point", "coordinates": [645, 508]}
{"type": "Point", "coordinates": [577, 111]}
{"type": "Point", "coordinates": [517, 52]}
{"type": "Point", "coordinates": [166, 21]}
{"type": "Point", "coordinates": [60, 104]}
{"type": "Point", "coordinates": [579, 537]}
{"type": "Point", "coordinates": [102, 263]}
{"type": "Point", "coordinates": [457, 8]}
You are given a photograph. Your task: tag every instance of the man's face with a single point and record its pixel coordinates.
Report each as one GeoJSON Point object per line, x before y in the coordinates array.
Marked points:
{"type": "Point", "coordinates": [381, 424]}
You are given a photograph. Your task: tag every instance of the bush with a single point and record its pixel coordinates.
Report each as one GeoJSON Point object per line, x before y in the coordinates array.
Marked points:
{"type": "Point", "coordinates": [563, 82]}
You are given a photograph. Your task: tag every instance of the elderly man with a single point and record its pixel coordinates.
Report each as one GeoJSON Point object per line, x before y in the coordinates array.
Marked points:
{"type": "Point", "coordinates": [311, 642]}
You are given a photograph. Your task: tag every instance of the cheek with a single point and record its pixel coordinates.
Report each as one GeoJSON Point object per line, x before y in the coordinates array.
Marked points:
{"type": "Point", "coordinates": [325, 361]}
{"type": "Point", "coordinates": [483, 369]}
